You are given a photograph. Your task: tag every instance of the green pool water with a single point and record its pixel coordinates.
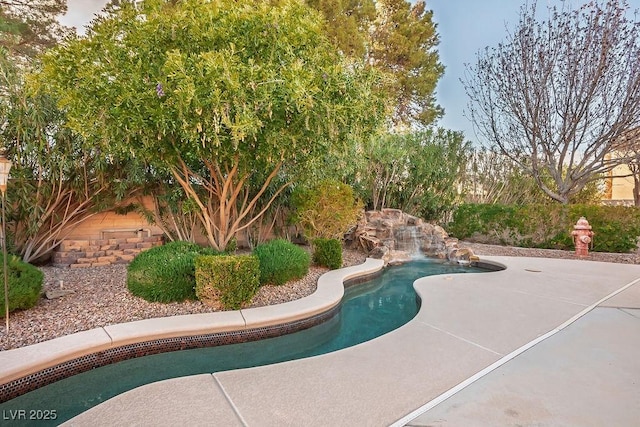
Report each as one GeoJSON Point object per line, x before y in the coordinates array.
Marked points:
{"type": "Point", "coordinates": [368, 310]}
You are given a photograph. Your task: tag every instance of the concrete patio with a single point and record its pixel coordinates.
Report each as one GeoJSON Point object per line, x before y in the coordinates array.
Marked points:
{"type": "Point", "coordinates": [544, 342]}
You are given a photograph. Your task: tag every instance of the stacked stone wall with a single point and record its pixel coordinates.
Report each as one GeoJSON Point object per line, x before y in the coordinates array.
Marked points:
{"type": "Point", "coordinates": [96, 253]}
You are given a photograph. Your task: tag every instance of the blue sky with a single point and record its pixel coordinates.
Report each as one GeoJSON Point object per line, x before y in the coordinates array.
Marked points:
{"type": "Point", "coordinates": [464, 26]}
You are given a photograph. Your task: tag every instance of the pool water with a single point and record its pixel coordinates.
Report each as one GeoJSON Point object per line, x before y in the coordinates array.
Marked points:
{"type": "Point", "coordinates": [368, 310]}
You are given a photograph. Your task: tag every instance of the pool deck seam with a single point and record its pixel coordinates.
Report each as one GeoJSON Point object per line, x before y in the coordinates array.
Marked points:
{"type": "Point", "coordinates": [461, 338]}
{"type": "Point", "coordinates": [108, 335]}
{"type": "Point", "coordinates": [505, 359]}
{"type": "Point", "coordinates": [244, 319]}
{"type": "Point", "coordinates": [623, 310]}
{"type": "Point", "coordinates": [226, 395]}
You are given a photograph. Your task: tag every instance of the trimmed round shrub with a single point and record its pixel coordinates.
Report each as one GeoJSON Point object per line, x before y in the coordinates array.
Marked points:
{"type": "Point", "coordinates": [25, 284]}
{"type": "Point", "coordinates": [281, 261]}
{"type": "Point", "coordinates": [327, 253]}
{"type": "Point", "coordinates": [166, 273]}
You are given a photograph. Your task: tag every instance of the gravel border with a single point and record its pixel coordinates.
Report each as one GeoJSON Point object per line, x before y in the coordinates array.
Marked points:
{"type": "Point", "coordinates": [496, 250]}
{"type": "Point", "coordinates": [100, 296]}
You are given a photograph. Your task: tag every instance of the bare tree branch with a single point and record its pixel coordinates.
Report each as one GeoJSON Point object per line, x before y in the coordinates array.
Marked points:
{"type": "Point", "coordinates": [557, 94]}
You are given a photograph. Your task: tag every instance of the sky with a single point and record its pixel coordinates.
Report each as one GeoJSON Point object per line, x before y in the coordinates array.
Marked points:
{"type": "Point", "coordinates": [465, 28]}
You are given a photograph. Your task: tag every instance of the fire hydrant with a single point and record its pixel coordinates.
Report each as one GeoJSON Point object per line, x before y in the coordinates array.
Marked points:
{"type": "Point", "coordinates": [582, 237]}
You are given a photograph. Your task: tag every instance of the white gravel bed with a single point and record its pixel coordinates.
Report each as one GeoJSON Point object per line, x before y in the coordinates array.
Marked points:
{"type": "Point", "coordinates": [101, 298]}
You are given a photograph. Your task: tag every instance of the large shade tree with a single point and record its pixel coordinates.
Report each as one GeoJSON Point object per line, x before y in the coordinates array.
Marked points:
{"type": "Point", "coordinates": [398, 37]}
{"type": "Point", "coordinates": [228, 95]}
{"type": "Point", "coordinates": [403, 43]}
{"type": "Point", "coordinates": [559, 93]}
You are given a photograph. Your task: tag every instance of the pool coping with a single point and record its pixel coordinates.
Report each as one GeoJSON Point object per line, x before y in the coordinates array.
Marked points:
{"type": "Point", "coordinates": [33, 359]}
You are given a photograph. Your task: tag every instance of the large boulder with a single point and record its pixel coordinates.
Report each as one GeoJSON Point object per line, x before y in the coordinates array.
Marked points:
{"type": "Point", "coordinates": [395, 237]}
{"type": "Point", "coordinates": [463, 256]}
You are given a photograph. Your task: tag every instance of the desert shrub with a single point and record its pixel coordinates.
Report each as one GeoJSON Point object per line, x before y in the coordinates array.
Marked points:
{"type": "Point", "coordinates": [25, 284]}
{"type": "Point", "coordinates": [547, 226]}
{"type": "Point", "coordinates": [326, 209]}
{"type": "Point", "coordinates": [281, 261]}
{"type": "Point", "coordinates": [229, 281]}
{"type": "Point", "coordinates": [616, 227]}
{"type": "Point", "coordinates": [166, 273]}
{"type": "Point", "coordinates": [327, 253]}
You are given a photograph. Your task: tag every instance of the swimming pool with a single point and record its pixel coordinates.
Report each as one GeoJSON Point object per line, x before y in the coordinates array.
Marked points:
{"type": "Point", "coordinates": [368, 310]}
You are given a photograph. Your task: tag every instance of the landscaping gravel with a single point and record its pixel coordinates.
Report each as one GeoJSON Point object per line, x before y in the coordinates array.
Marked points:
{"type": "Point", "coordinates": [100, 296]}
{"type": "Point", "coordinates": [482, 249]}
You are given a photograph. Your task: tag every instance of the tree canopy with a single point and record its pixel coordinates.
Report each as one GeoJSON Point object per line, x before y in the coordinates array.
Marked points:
{"type": "Point", "coordinates": [28, 27]}
{"type": "Point", "coordinates": [417, 172]}
{"type": "Point", "coordinates": [558, 94]}
{"type": "Point", "coordinates": [223, 94]}
{"type": "Point", "coordinates": [347, 23]}
{"type": "Point", "coordinates": [394, 36]}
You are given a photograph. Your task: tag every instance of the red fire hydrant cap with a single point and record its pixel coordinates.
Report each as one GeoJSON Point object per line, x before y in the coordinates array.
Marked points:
{"type": "Point", "coordinates": [582, 224]}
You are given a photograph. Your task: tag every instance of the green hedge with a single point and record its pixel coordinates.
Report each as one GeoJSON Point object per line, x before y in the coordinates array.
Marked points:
{"type": "Point", "coordinates": [166, 273]}
{"type": "Point", "coordinates": [327, 253]}
{"type": "Point", "coordinates": [229, 281]}
{"type": "Point", "coordinates": [547, 226]}
{"type": "Point", "coordinates": [24, 281]}
{"type": "Point", "coordinates": [281, 261]}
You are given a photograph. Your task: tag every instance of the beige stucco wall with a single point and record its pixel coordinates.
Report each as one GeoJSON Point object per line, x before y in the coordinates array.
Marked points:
{"type": "Point", "coordinates": [93, 227]}
{"type": "Point", "coordinates": [621, 188]}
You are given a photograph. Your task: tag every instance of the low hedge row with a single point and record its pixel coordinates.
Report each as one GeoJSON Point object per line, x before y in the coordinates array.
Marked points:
{"type": "Point", "coordinates": [616, 228]}
{"type": "Point", "coordinates": [179, 271]}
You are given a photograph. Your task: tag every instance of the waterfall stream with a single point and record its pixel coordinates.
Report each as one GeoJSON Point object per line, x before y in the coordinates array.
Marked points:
{"type": "Point", "coordinates": [407, 239]}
